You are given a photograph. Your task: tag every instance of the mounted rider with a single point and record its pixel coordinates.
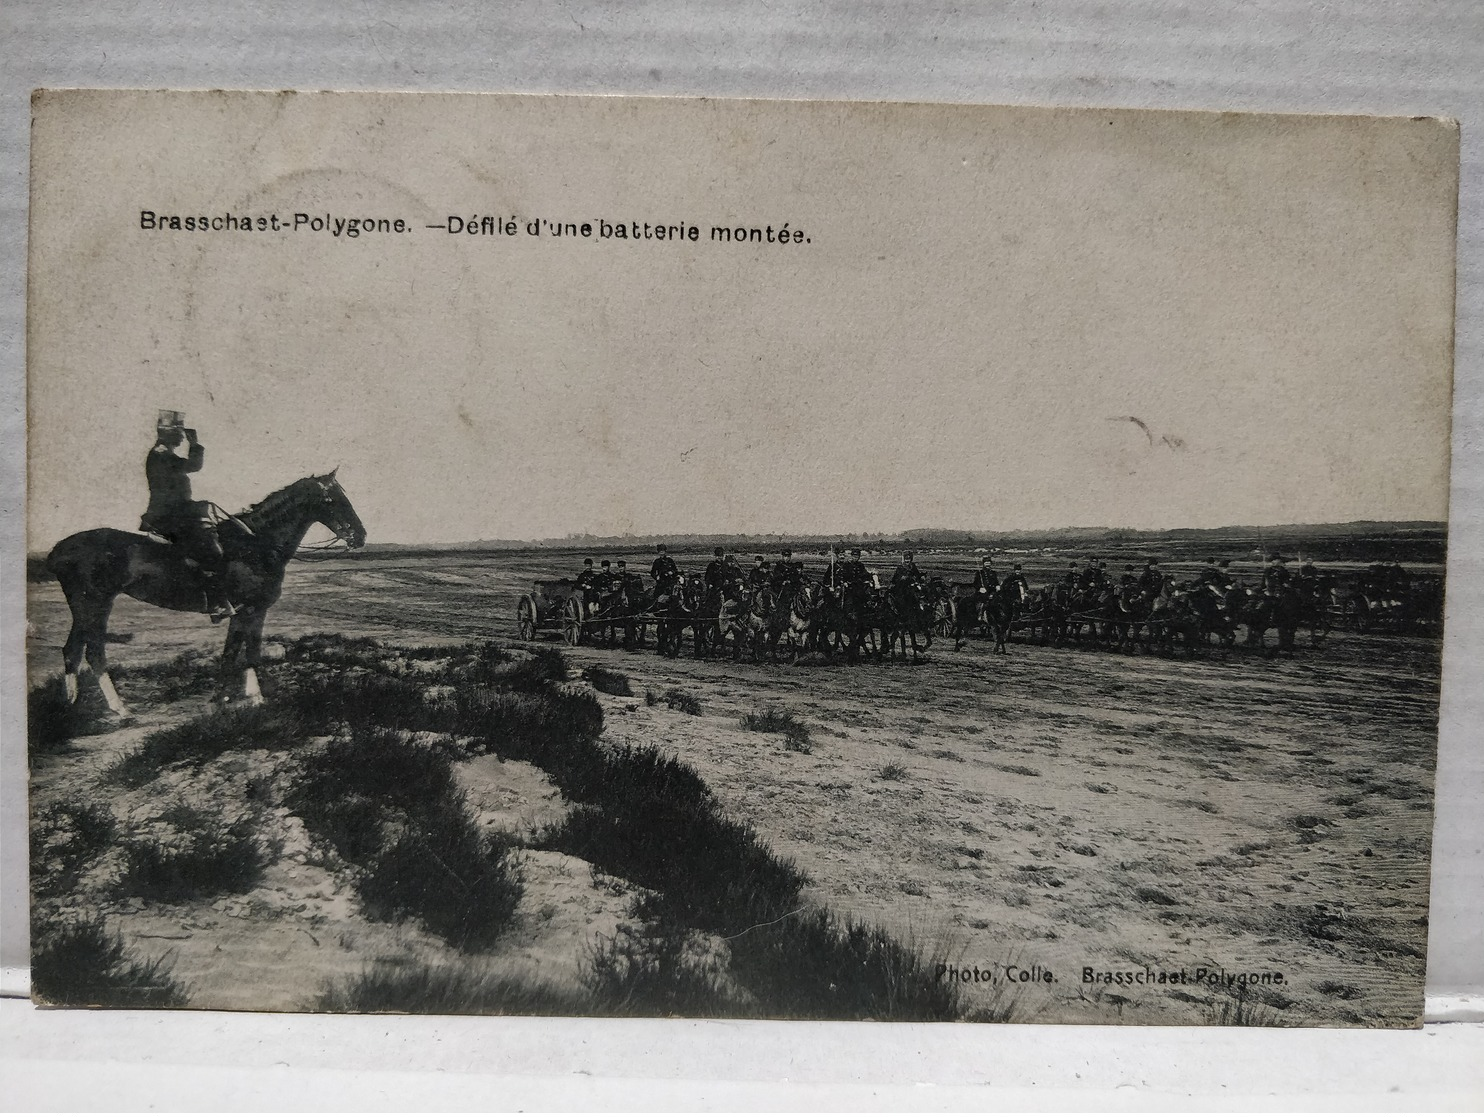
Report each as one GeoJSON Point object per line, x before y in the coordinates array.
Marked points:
{"type": "Point", "coordinates": [759, 576]}
{"type": "Point", "coordinates": [1016, 583]}
{"type": "Point", "coordinates": [786, 572]}
{"type": "Point", "coordinates": [834, 571]}
{"type": "Point", "coordinates": [854, 571]}
{"type": "Point", "coordinates": [1276, 577]}
{"type": "Point", "coordinates": [1152, 581]}
{"type": "Point", "coordinates": [591, 583]}
{"type": "Point", "coordinates": [663, 570]}
{"type": "Point", "coordinates": [907, 574]}
{"type": "Point", "coordinates": [172, 514]}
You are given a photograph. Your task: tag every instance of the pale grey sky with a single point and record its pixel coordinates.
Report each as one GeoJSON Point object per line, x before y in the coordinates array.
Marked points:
{"type": "Point", "coordinates": [986, 300]}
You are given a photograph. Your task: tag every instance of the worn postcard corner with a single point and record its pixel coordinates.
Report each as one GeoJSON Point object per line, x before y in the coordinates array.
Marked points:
{"type": "Point", "coordinates": [616, 556]}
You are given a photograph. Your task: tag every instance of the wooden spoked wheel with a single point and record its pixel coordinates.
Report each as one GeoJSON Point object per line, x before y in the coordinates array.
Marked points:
{"type": "Point", "coordinates": [525, 619]}
{"type": "Point", "coordinates": [572, 621]}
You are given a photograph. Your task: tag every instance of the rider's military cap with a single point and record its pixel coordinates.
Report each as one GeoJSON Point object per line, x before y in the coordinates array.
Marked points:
{"type": "Point", "coordinates": [587, 562]}
{"type": "Point", "coordinates": [717, 551]}
{"type": "Point", "coordinates": [604, 563]}
{"type": "Point", "coordinates": [855, 550]}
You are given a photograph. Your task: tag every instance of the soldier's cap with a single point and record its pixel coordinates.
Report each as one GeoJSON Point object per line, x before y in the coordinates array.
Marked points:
{"type": "Point", "coordinates": [1224, 562]}
{"type": "Point", "coordinates": [786, 553]}
{"type": "Point", "coordinates": [1280, 558]}
{"type": "Point", "coordinates": [605, 562]}
{"type": "Point", "coordinates": [1017, 566]}
{"type": "Point", "coordinates": [170, 420]}
{"type": "Point", "coordinates": [659, 546]}
{"type": "Point", "coordinates": [587, 562]}
{"type": "Point", "coordinates": [759, 558]}
{"type": "Point", "coordinates": [622, 563]}
{"type": "Point", "coordinates": [907, 554]}
{"type": "Point", "coordinates": [855, 550]}
{"type": "Point", "coordinates": [717, 551]}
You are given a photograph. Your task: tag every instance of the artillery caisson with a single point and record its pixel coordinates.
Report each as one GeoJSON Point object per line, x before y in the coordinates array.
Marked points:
{"type": "Point", "coordinates": [553, 605]}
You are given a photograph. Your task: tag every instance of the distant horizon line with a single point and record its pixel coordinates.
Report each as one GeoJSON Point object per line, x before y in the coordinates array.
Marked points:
{"type": "Point", "coordinates": [916, 534]}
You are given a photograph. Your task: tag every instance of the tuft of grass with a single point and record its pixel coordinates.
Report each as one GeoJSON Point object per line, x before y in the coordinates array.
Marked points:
{"type": "Point", "coordinates": [190, 853]}
{"type": "Point", "coordinates": [684, 701]}
{"type": "Point", "coordinates": [448, 989]}
{"type": "Point", "coordinates": [65, 839]}
{"type": "Point", "coordinates": [76, 962]}
{"type": "Point", "coordinates": [609, 682]}
{"type": "Point", "coordinates": [542, 667]}
{"type": "Point", "coordinates": [657, 968]}
{"type": "Point", "coordinates": [651, 698]}
{"type": "Point", "coordinates": [769, 719]}
{"type": "Point", "coordinates": [814, 965]}
{"type": "Point", "coordinates": [1242, 1009]}
{"type": "Point", "coordinates": [892, 772]}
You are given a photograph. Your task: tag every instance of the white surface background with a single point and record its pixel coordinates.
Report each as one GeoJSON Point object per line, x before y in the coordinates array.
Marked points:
{"type": "Point", "coordinates": [1418, 57]}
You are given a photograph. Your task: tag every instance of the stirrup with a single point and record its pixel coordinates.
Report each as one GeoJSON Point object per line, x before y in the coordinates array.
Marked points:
{"type": "Point", "coordinates": [221, 612]}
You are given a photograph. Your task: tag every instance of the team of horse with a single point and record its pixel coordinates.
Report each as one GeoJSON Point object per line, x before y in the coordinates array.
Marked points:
{"type": "Point", "coordinates": [769, 621]}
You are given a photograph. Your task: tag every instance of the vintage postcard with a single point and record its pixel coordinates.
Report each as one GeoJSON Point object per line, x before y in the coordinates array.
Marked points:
{"type": "Point", "coordinates": [643, 556]}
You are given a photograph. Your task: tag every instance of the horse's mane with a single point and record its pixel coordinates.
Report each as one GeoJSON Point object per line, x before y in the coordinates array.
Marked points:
{"type": "Point", "coordinates": [272, 506]}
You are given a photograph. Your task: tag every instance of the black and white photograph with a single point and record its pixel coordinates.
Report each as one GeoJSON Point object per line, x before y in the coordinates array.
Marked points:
{"type": "Point", "coordinates": [650, 557]}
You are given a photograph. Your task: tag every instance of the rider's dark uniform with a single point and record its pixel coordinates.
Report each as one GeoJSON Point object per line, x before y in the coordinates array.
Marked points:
{"type": "Point", "coordinates": [1275, 578]}
{"type": "Point", "coordinates": [1152, 580]}
{"type": "Point", "coordinates": [907, 574]}
{"type": "Point", "coordinates": [986, 581]}
{"type": "Point", "coordinates": [172, 513]}
{"type": "Point", "coordinates": [759, 576]}
{"type": "Point", "coordinates": [184, 521]}
{"type": "Point", "coordinates": [591, 583]}
{"type": "Point", "coordinates": [665, 573]}
{"type": "Point", "coordinates": [1016, 578]}
{"type": "Point", "coordinates": [786, 572]}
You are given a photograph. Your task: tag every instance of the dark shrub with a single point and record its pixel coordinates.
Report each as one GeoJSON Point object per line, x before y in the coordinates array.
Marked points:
{"type": "Point", "coordinates": [683, 701]}
{"type": "Point", "coordinates": [657, 968]}
{"type": "Point", "coordinates": [450, 989]}
{"type": "Point", "coordinates": [712, 873]}
{"type": "Point", "coordinates": [392, 807]}
{"type": "Point", "coordinates": [609, 682]}
{"type": "Point", "coordinates": [811, 965]}
{"type": "Point", "coordinates": [76, 962]}
{"type": "Point", "coordinates": [202, 857]}
{"type": "Point", "coordinates": [204, 738]}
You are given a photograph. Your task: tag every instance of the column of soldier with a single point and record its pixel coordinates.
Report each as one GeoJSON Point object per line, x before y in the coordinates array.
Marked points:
{"type": "Point", "coordinates": [724, 574]}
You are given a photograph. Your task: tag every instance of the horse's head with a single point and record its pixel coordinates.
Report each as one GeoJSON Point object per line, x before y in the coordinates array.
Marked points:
{"type": "Point", "coordinates": [335, 512]}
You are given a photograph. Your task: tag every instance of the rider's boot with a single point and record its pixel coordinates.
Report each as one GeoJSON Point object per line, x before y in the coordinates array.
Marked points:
{"type": "Point", "coordinates": [218, 606]}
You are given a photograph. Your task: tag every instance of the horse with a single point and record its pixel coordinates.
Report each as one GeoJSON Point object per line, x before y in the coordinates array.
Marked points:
{"type": "Point", "coordinates": [94, 567]}
{"type": "Point", "coordinates": [907, 615]}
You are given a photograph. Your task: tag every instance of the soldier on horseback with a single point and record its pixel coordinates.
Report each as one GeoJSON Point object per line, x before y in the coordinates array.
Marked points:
{"type": "Point", "coordinates": [172, 514]}
{"type": "Point", "coordinates": [665, 573]}
{"type": "Point", "coordinates": [1276, 577]}
{"type": "Point", "coordinates": [1016, 581]}
{"type": "Point", "coordinates": [907, 573]}
{"type": "Point", "coordinates": [786, 572]}
{"type": "Point", "coordinates": [759, 576]}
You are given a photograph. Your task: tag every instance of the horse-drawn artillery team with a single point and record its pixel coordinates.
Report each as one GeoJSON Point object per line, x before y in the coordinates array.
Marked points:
{"type": "Point", "coordinates": [781, 608]}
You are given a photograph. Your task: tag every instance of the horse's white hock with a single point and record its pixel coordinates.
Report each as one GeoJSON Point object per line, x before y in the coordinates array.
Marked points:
{"type": "Point", "coordinates": [110, 695]}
